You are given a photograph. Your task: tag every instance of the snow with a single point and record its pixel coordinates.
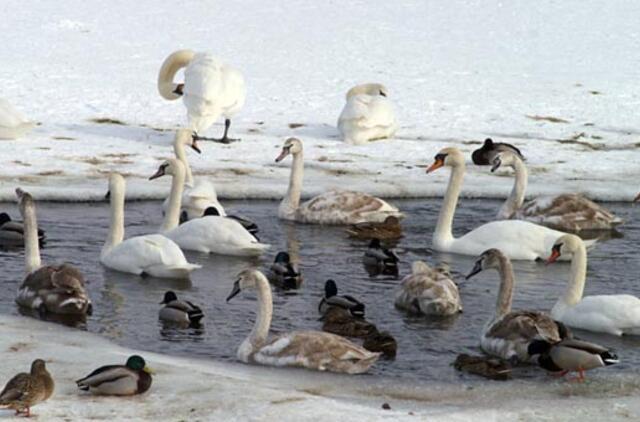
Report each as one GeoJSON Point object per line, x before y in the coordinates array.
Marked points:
{"type": "Point", "coordinates": [558, 79]}
{"type": "Point", "coordinates": [201, 390]}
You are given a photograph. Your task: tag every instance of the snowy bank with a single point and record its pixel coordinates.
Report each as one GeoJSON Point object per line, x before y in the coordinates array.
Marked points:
{"type": "Point", "coordinates": [202, 390]}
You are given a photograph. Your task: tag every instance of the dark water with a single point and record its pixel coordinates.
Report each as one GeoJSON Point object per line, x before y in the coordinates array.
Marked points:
{"type": "Point", "coordinates": [126, 307]}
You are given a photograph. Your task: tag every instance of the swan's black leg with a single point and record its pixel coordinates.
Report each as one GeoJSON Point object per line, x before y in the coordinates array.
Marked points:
{"type": "Point", "coordinates": [224, 140]}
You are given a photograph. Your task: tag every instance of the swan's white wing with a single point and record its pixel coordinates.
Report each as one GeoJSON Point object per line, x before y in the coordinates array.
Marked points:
{"type": "Point", "coordinates": [346, 207]}
{"type": "Point", "coordinates": [9, 116]}
{"type": "Point", "coordinates": [430, 293]}
{"type": "Point", "coordinates": [203, 77]}
{"type": "Point", "coordinates": [137, 254]}
{"type": "Point", "coordinates": [605, 313]}
{"type": "Point", "coordinates": [369, 111]}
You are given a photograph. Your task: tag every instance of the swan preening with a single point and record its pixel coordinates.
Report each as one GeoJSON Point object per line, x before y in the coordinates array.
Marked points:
{"type": "Point", "coordinates": [332, 207]}
{"type": "Point", "coordinates": [516, 239]}
{"type": "Point", "coordinates": [368, 115]}
{"type": "Point", "coordinates": [211, 88]}
{"type": "Point", "coordinates": [568, 212]}
{"type": "Point", "coordinates": [308, 349]}
{"type": "Point", "coordinates": [152, 254]}
{"type": "Point", "coordinates": [58, 289]}
{"type": "Point", "coordinates": [612, 314]}
{"type": "Point", "coordinates": [13, 124]}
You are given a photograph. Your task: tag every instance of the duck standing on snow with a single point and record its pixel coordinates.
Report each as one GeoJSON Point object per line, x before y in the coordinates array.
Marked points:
{"type": "Point", "coordinates": [211, 88]}
{"type": "Point", "coordinates": [484, 155]}
{"type": "Point", "coordinates": [12, 232]}
{"type": "Point", "coordinates": [179, 311]}
{"type": "Point", "coordinates": [284, 274]}
{"type": "Point", "coordinates": [13, 124]}
{"type": "Point", "coordinates": [428, 291]}
{"type": "Point", "coordinates": [25, 390]}
{"type": "Point", "coordinates": [367, 116]}
{"type": "Point", "coordinates": [129, 379]}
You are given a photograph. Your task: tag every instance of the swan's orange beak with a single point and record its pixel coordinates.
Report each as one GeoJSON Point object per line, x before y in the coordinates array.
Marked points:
{"type": "Point", "coordinates": [637, 198]}
{"type": "Point", "coordinates": [555, 254]}
{"type": "Point", "coordinates": [436, 165]}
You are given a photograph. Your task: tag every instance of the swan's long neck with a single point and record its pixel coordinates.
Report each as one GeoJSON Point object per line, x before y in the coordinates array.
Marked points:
{"type": "Point", "coordinates": [172, 216]}
{"type": "Point", "coordinates": [260, 331]}
{"type": "Point", "coordinates": [443, 233]}
{"type": "Point", "coordinates": [516, 198]}
{"type": "Point", "coordinates": [116, 225]}
{"type": "Point", "coordinates": [505, 295]}
{"type": "Point", "coordinates": [178, 149]}
{"type": "Point", "coordinates": [292, 200]}
{"type": "Point", "coordinates": [575, 288]}
{"type": "Point", "coordinates": [170, 67]}
{"type": "Point", "coordinates": [31, 247]}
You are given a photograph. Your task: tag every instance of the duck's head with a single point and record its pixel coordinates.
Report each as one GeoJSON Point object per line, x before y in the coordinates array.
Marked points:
{"type": "Point", "coordinates": [488, 259]}
{"type": "Point", "coordinates": [451, 157]}
{"type": "Point", "coordinates": [282, 258]}
{"type": "Point", "coordinates": [488, 144]}
{"type": "Point", "coordinates": [374, 244]}
{"type": "Point", "coordinates": [25, 200]}
{"type": "Point", "coordinates": [291, 146]}
{"type": "Point", "coordinates": [247, 279]}
{"type": "Point", "coordinates": [38, 366]}
{"type": "Point", "coordinates": [188, 138]}
{"type": "Point", "coordinates": [564, 245]}
{"type": "Point", "coordinates": [538, 347]}
{"type": "Point", "coordinates": [4, 218]}
{"type": "Point", "coordinates": [504, 159]}
{"type": "Point", "coordinates": [169, 297]}
{"type": "Point", "coordinates": [330, 288]}
{"type": "Point", "coordinates": [368, 89]}
{"type": "Point", "coordinates": [171, 167]}
{"type": "Point", "coordinates": [211, 211]}
{"type": "Point", "coordinates": [137, 363]}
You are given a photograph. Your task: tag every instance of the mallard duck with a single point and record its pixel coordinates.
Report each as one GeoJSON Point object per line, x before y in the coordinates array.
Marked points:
{"type": "Point", "coordinates": [249, 225]}
{"type": "Point", "coordinates": [340, 321]}
{"type": "Point", "coordinates": [26, 390]}
{"type": "Point", "coordinates": [390, 230]}
{"type": "Point", "coordinates": [571, 355]}
{"type": "Point", "coordinates": [331, 299]}
{"type": "Point", "coordinates": [484, 366]}
{"type": "Point", "coordinates": [484, 155]}
{"type": "Point", "coordinates": [134, 377]}
{"type": "Point", "coordinates": [381, 341]}
{"type": "Point", "coordinates": [179, 311]}
{"type": "Point", "coordinates": [378, 256]}
{"type": "Point", "coordinates": [12, 232]}
{"type": "Point", "coordinates": [283, 274]}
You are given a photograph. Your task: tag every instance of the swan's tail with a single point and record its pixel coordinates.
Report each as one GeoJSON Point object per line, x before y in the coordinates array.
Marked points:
{"type": "Point", "coordinates": [171, 65]}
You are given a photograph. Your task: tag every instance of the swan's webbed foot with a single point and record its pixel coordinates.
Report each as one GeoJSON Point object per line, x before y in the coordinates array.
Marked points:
{"type": "Point", "coordinates": [224, 140]}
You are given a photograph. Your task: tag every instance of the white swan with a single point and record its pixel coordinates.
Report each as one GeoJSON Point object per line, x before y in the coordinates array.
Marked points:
{"type": "Point", "coordinates": [368, 115]}
{"type": "Point", "coordinates": [308, 349]}
{"type": "Point", "coordinates": [333, 207]}
{"type": "Point", "coordinates": [508, 333]}
{"type": "Point", "coordinates": [151, 254]}
{"type": "Point", "coordinates": [196, 197]}
{"type": "Point", "coordinates": [13, 124]}
{"type": "Point", "coordinates": [516, 239]}
{"type": "Point", "coordinates": [613, 314]}
{"type": "Point", "coordinates": [570, 211]}
{"type": "Point", "coordinates": [428, 291]}
{"type": "Point", "coordinates": [211, 88]}
{"type": "Point", "coordinates": [58, 289]}
{"type": "Point", "coordinates": [209, 234]}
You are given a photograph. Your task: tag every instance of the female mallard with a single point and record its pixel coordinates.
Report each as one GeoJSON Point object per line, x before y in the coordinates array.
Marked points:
{"type": "Point", "coordinates": [118, 380]}
{"type": "Point", "coordinates": [428, 291]}
{"type": "Point", "coordinates": [390, 229]}
{"type": "Point", "coordinates": [26, 390]}
{"type": "Point", "coordinates": [12, 232]}
{"type": "Point", "coordinates": [331, 299]}
{"type": "Point", "coordinates": [283, 274]}
{"type": "Point", "coordinates": [340, 321]}
{"type": "Point", "coordinates": [179, 311]}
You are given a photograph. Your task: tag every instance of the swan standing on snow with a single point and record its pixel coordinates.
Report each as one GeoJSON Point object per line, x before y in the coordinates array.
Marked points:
{"type": "Point", "coordinates": [516, 239]}
{"type": "Point", "coordinates": [211, 88]}
{"type": "Point", "coordinates": [13, 124]}
{"type": "Point", "coordinates": [208, 234]}
{"type": "Point", "coordinates": [368, 115]}
{"type": "Point", "coordinates": [151, 254]}
{"type": "Point", "coordinates": [333, 207]}
{"type": "Point", "coordinates": [58, 289]}
{"type": "Point", "coordinates": [569, 211]}
{"type": "Point", "coordinates": [612, 314]}
{"type": "Point", "coordinates": [308, 349]}
{"type": "Point", "coordinates": [428, 291]}
{"type": "Point", "coordinates": [508, 333]}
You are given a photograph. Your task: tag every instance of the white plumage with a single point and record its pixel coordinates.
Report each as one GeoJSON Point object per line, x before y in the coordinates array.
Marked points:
{"type": "Point", "coordinates": [368, 115]}
{"type": "Point", "coordinates": [13, 124]}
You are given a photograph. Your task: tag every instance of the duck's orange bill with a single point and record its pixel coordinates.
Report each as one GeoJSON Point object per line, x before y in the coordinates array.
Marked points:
{"type": "Point", "coordinates": [435, 166]}
{"type": "Point", "coordinates": [554, 257]}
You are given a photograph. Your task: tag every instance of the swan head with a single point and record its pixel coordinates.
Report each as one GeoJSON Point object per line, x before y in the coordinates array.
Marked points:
{"type": "Point", "coordinates": [368, 89]}
{"type": "Point", "coordinates": [565, 245]}
{"type": "Point", "coordinates": [504, 159]}
{"type": "Point", "coordinates": [291, 146]}
{"type": "Point", "coordinates": [188, 138]}
{"type": "Point", "coordinates": [451, 157]}
{"type": "Point", "coordinates": [171, 167]}
{"type": "Point", "coordinates": [491, 258]}
{"type": "Point", "coordinates": [247, 279]}
{"type": "Point", "coordinates": [25, 200]}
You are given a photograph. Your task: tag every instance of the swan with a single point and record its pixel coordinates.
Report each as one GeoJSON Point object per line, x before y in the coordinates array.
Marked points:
{"type": "Point", "coordinates": [520, 240]}
{"type": "Point", "coordinates": [569, 212]}
{"type": "Point", "coordinates": [208, 234]}
{"type": "Point", "coordinates": [612, 314]}
{"type": "Point", "coordinates": [484, 155]}
{"type": "Point", "coordinates": [151, 254]}
{"type": "Point", "coordinates": [58, 289]}
{"type": "Point", "coordinates": [308, 349]}
{"type": "Point", "coordinates": [367, 116]}
{"type": "Point", "coordinates": [428, 291]}
{"type": "Point", "coordinates": [13, 124]}
{"type": "Point", "coordinates": [333, 207]}
{"type": "Point", "coordinates": [508, 333]}
{"type": "Point", "coordinates": [179, 311]}
{"type": "Point", "coordinates": [211, 88]}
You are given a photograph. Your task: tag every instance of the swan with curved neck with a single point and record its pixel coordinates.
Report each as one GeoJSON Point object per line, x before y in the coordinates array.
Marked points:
{"type": "Point", "coordinates": [151, 254]}
{"type": "Point", "coordinates": [57, 289]}
{"type": "Point", "coordinates": [309, 349]}
{"type": "Point", "coordinates": [332, 207]}
{"type": "Point", "coordinates": [211, 88]}
{"type": "Point", "coordinates": [570, 212]}
{"type": "Point", "coordinates": [13, 124]}
{"type": "Point", "coordinates": [508, 333]}
{"type": "Point", "coordinates": [613, 314]}
{"type": "Point", "coordinates": [368, 115]}
{"type": "Point", "coordinates": [516, 239]}
{"type": "Point", "coordinates": [208, 234]}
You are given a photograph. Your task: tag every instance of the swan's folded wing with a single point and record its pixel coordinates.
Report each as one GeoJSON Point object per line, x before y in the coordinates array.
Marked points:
{"type": "Point", "coordinates": [203, 77]}
{"type": "Point", "coordinates": [525, 324]}
{"type": "Point", "coordinates": [138, 253]}
{"type": "Point", "coordinates": [619, 311]}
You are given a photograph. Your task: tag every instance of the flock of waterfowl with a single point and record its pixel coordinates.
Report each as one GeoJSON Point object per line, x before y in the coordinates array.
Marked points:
{"type": "Point", "coordinates": [195, 220]}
